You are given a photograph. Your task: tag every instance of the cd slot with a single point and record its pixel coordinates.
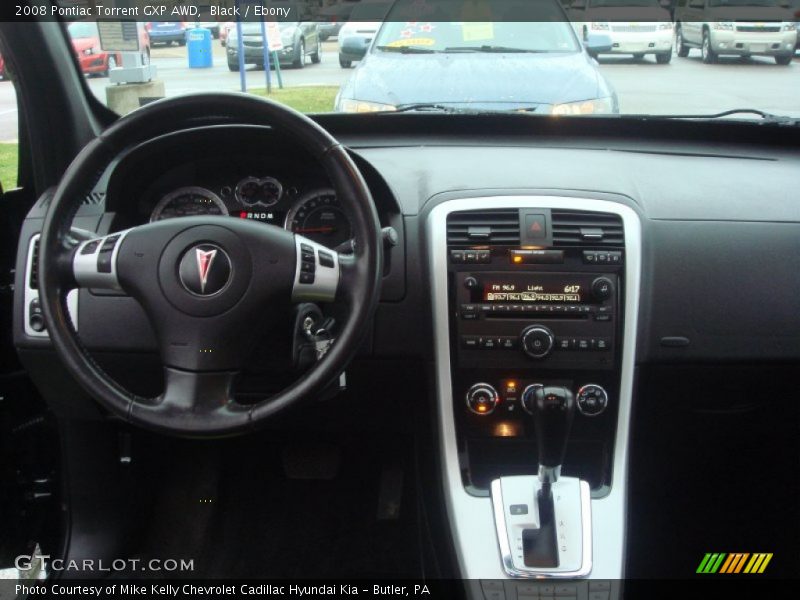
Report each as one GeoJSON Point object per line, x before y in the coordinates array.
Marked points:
{"type": "Point", "coordinates": [542, 315]}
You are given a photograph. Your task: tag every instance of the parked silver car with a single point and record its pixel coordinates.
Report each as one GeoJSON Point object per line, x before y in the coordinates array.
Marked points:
{"type": "Point", "coordinates": [736, 27]}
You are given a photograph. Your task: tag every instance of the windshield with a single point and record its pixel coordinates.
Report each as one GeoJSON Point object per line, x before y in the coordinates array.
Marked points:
{"type": "Point", "coordinates": [452, 37]}
{"type": "Point", "coordinates": [561, 58]}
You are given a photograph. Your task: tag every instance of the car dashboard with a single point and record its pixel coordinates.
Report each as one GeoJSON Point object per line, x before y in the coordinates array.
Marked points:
{"type": "Point", "coordinates": [588, 254]}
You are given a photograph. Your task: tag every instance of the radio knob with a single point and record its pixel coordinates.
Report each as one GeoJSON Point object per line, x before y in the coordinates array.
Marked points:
{"type": "Point", "coordinates": [592, 400]}
{"type": "Point", "coordinates": [537, 341]}
{"type": "Point", "coordinates": [470, 282]}
{"type": "Point", "coordinates": [482, 399]}
{"type": "Point", "coordinates": [601, 288]}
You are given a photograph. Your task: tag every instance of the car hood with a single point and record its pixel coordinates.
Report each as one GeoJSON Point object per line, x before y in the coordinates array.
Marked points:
{"type": "Point", "coordinates": [82, 44]}
{"type": "Point", "coordinates": [475, 80]}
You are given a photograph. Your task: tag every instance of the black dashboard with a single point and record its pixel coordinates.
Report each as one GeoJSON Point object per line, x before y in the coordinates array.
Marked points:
{"type": "Point", "coordinates": [716, 200]}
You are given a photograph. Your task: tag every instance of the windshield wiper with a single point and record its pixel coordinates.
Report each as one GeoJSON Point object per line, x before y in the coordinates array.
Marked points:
{"type": "Point", "coordinates": [767, 117]}
{"type": "Point", "coordinates": [490, 49]}
{"type": "Point", "coordinates": [429, 106]}
{"type": "Point", "coordinates": [406, 49]}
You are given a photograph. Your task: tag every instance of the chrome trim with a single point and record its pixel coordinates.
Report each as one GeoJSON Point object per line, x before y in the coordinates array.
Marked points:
{"type": "Point", "coordinates": [32, 294]}
{"type": "Point", "coordinates": [532, 386]}
{"type": "Point", "coordinates": [326, 279]}
{"type": "Point", "coordinates": [471, 517]}
{"type": "Point", "coordinates": [549, 474]}
{"type": "Point", "coordinates": [504, 544]}
{"type": "Point", "coordinates": [494, 393]}
{"type": "Point", "coordinates": [84, 266]}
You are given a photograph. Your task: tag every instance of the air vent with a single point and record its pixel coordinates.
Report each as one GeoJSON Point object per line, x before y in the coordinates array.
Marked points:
{"type": "Point", "coordinates": [573, 228]}
{"type": "Point", "coordinates": [34, 275]}
{"type": "Point", "coordinates": [94, 198]}
{"type": "Point", "coordinates": [497, 227]}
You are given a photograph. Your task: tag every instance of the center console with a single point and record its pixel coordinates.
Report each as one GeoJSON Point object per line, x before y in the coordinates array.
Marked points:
{"type": "Point", "coordinates": [537, 306]}
{"type": "Point", "coordinates": [535, 302]}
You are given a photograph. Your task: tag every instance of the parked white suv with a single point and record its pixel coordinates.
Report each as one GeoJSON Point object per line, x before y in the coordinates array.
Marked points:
{"type": "Point", "coordinates": [650, 33]}
{"type": "Point", "coordinates": [741, 28]}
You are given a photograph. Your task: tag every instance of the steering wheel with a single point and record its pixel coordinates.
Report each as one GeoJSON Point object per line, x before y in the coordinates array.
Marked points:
{"type": "Point", "coordinates": [209, 285]}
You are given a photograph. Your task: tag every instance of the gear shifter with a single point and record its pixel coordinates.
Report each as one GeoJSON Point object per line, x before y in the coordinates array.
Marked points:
{"type": "Point", "coordinates": [553, 409]}
{"type": "Point", "coordinates": [544, 523]}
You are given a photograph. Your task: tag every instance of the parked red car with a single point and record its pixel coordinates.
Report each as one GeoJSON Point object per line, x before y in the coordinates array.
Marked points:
{"type": "Point", "coordinates": [91, 57]}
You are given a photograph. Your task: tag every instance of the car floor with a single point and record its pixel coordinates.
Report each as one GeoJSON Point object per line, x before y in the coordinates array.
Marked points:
{"type": "Point", "coordinates": [259, 508]}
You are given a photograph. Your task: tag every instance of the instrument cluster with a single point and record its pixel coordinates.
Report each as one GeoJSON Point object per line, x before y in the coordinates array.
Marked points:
{"type": "Point", "coordinates": [312, 211]}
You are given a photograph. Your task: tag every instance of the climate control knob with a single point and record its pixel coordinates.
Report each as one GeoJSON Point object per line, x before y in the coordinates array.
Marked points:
{"type": "Point", "coordinates": [529, 396]}
{"type": "Point", "coordinates": [482, 399]}
{"type": "Point", "coordinates": [537, 341]}
{"type": "Point", "coordinates": [592, 400]}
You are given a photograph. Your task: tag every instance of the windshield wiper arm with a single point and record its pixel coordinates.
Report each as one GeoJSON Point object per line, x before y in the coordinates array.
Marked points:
{"type": "Point", "coordinates": [497, 49]}
{"type": "Point", "coordinates": [767, 117]}
{"type": "Point", "coordinates": [406, 49]}
{"type": "Point", "coordinates": [428, 106]}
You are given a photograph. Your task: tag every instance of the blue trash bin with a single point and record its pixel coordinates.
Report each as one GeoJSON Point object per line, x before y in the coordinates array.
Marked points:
{"type": "Point", "coordinates": [198, 44]}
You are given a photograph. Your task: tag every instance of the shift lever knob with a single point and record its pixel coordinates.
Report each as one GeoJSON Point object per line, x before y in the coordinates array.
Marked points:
{"type": "Point", "coordinates": [553, 408]}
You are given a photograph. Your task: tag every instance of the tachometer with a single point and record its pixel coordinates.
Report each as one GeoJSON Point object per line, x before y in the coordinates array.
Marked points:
{"type": "Point", "coordinates": [188, 202]}
{"type": "Point", "coordinates": [318, 216]}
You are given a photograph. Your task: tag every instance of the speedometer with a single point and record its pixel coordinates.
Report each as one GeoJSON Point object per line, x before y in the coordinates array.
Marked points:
{"type": "Point", "coordinates": [318, 216]}
{"type": "Point", "coordinates": [188, 202]}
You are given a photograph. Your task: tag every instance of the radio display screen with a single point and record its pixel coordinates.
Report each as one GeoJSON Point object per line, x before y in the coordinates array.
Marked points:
{"type": "Point", "coordinates": [543, 288]}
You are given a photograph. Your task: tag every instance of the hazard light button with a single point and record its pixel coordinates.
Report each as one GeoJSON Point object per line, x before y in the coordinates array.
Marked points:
{"type": "Point", "coordinates": [535, 228]}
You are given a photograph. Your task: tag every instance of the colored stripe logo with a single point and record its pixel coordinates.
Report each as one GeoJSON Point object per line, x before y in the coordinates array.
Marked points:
{"type": "Point", "coordinates": [736, 562]}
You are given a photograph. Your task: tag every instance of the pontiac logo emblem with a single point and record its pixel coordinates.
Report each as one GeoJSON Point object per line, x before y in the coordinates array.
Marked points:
{"type": "Point", "coordinates": [205, 270]}
{"type": "Point", "coordinates": [204, 260]}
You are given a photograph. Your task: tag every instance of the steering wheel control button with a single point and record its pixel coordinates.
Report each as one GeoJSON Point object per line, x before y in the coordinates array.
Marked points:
{"type": "Point", "coordinates": [317, 277]}
{"type": "Point", "coordinates": [537, 341]}
{"type": "Point", "coordinates": [106, 253]}
{"type": "Point", "coordinates": [91, 247]}
{"type": "Point", "coordinates": [592, 400]}
{"type": "Point", "coordinates": [482, 399]}
{"type": "Point", "coordinates": [205, 270]}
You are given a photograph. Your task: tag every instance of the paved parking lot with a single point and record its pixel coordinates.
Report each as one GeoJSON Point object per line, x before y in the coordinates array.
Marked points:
{"type": "Point", "coordinates": [685, 86]}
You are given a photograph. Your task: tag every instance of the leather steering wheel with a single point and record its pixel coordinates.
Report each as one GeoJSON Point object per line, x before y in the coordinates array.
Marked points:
{"type": "Point", "coordinates": [208, 284]}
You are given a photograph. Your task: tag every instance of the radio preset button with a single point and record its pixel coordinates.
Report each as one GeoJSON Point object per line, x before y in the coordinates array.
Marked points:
{"type": "Point", "coordinates": [470, 341]}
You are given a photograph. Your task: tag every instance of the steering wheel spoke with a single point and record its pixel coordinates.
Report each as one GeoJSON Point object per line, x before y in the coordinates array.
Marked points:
{"type": "Point", "coordinates": [196, 401]}
{"type": "Point", "coordinates": [317, 274]}
{"type": "Point", "coordinates": [94, 262]}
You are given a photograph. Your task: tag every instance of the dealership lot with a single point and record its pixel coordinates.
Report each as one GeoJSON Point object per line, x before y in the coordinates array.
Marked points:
{"type": "Point", "coordinates": [686, 83]}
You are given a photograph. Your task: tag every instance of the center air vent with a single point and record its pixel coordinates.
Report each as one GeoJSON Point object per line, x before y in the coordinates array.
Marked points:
{"type": "Point", "coordinates": [497, 227]}
{"type": "Point", "coordinates": [574, 228]}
